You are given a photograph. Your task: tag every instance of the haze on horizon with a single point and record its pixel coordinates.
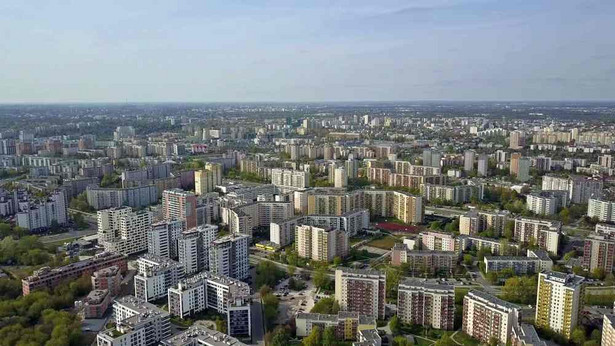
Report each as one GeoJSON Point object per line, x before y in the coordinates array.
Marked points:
{"type": "Point", "coordinates": [352, 50]}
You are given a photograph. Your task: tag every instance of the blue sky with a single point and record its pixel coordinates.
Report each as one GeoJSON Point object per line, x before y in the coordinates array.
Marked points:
{"type": "Point", "coordinates": [205, 51]}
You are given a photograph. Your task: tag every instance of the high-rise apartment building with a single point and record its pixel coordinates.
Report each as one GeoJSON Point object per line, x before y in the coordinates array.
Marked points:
{"type": "Point", "coordinates": [544, 233]}
{"type": "Point", "coordinates": [320, 244]}
{"type": "Point", "coordinates": [517, 140]}
{"type": "Point", "coordinates": [483, 165]}
{"type": "Point", "coordinates": [426, 304]}
{"type": "Point", "coordinates": [155, 275]}
{"type": "Point", "coordinates": [477, 221]}
{"type": "Point", "coordinates": [608, 330]}
{"type": "Point", "coordinates": [602, 209]}
{"type": "Point", "coordinates": [288, 178]}
{"type": "Point", "coordinates": [123, 230]}
{"type": "Point", "coordinates": [137, 323]}
{"type": "Point", "coordinates": [228, 256]}
{"type": "Point", "coordinates": [362, 291]}
{"type": "Point", "coordinates": [599, 252]}
{"type": "Point", "coordinates": [162, 238]}
{"type": "Point", "coordinates": [178, 204]}
{"type": "Point", "coordinates": [486, 316]}
{"type": "Point", "coordinates": [547, 202]}
{"type": "Point", "coordinates": [341, 178]}
{"type": "Point", "coordinates": [559, 301]}
{"type": "Point", "coordinates": [193, 248]}
{"type": "Point", "coordinates": [468, 160]}
{"type": "Point", "coordinates": [223, 294]}
{"type": "Point", "coordinates": [437, 241]}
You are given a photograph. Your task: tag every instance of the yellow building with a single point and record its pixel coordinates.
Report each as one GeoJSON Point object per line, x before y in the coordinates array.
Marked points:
{"type": "Point", "coordinates": [559, 301]}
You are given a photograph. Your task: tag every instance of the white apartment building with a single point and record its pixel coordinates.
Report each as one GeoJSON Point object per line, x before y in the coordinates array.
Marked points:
{"type": "Point", "coordinates": [320, 244]}
{"type": "Point", "coordinates": [288, 178]}
{"type": "Point", "coordinates": [209, 291]}
{"type": "Point", "coordinates": [341, 178]}
{"type": "Point", "coordinates": [547, 202]}
{"type": "Point", "coordinates": [155, 274]}
{"type": "Point", "coordinates": [162, 238]}
{"type": "Point", "coordinates": [602, 209]}
{"type": "Point", "coordinates": [544, 233]}
{"type": "Point", "coordinates": [138, 323]}
{"type": "Point", "coordinates": [42, 215]}
{"type": "Point", "coordinates": [228, 256]}
{"type": "Point", "coordinates": [124, 231]}
{"type": "Point", "coordinates": [437, 241]}
{"type": "Point", "coordinates": [193, 248]}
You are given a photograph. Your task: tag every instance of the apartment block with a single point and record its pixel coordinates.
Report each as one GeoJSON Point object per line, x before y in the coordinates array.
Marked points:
{"type": "Point", "coordinates": [525, 335]}
{"type": "Point", "coordinates": [362, 291]}
{"type": "Point", "coordinates": [96, 303]}
{"type": "Point", "coordinates": [124, 231]}
{"type": "Point", "coordinates": [228, 256]}
{"type": "Point", "coordinates": [320, 244]}
{"type": "Point", "coordinates": [283, 233]}
{"type": "Point", "coordinates": [178, 204]}
{"type": "Point", "coordinates": [559, 301]}
{"type": "Point", "coordinates": [486, 316]}
{"type": "Point", "coordinates": [437, 241]}
{"type": "Point", "coordinates": [155, 274]}
{"type": "Point", "coordinates": [200, 335]}
{"type": "Point", "coordinates": [208, 178]}
{"type": "Point", "coordinates": [424, 261]}
{"type": "Point", "coordinates": [193, 248]}
{"type": "Point", "coordinates": [547, 202]}
{"type": "Point", "coordinates": [47, 278]}
{"type": "Point", "coordinates": [426, 304]}
{"type": "Point", "coordinates": [477, 221]}
{"type": "Point", "coordinates": [137, 323]}
{"type": "Point", "coordinates": [456, 194]}
{"type": "Point", "coordinates": [608, 330]}
{"type": "Point", "coordinates": [464, 242]}
{"type": "Point", "coordinates": [135, 197]}
{"type": "Point", "coordinates": [162, 238]}
{"type": "Point", "coordinates": [288, 178]}
{"type": "Point", "coordinates": [405, 167]}
{"type": "Point", "coordinates": [42, 215]}
{"type": "Point", "coordinates": [544, 233]}
{"type": "Point", "coordinates": [108, 279]}
{"type": "Point", "coordinates": [599, 252]}
{"type": "Point", "coordinates": [244, 218]}
{"type": "Point", "coordinates": [346, 324]}
{"type": "Point", "coordinates": [601, 208]}
{"type": "Point", "coordinates": [223, 294]}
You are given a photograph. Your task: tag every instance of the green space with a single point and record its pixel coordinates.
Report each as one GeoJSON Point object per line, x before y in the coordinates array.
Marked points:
{"type": "Point", "coordinates": [465, 339]}
{"type": "Point", "coordinates": [385, 243]}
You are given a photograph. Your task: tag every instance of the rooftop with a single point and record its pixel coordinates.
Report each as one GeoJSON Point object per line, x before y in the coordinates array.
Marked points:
{"type": "Point", "coordinates": [198, 334]}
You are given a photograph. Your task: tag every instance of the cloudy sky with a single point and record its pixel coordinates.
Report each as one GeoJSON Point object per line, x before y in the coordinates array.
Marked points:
{"type": "Point", "coordinates": [306, 50]}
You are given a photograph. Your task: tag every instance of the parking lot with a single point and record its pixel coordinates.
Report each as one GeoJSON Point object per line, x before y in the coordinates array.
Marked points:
{"type": "Point", "coordinates": [293, 302]}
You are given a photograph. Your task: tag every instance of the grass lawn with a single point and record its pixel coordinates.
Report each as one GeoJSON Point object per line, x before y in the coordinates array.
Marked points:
{"type": "Point", "coordinates": [465, 339]}
{"type": "Point", "coordinates": [385, 242]}
{"type": "Point", "coordinates": [603, 296]}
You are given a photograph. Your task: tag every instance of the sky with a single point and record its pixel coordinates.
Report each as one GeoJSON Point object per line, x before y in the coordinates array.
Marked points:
{"type": "Point", "coordinates": [306, 50]}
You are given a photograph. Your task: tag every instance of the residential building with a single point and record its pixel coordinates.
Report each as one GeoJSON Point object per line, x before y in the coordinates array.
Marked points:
{"type": "Point", "coordinates": [483, 165]}
{"type": "Point", "coordinates": [583, 188]}
{"type": "Point", "coordinates": [602, 209]}
{"type": "Point", "coordinates": [517, 140]}
{"type": "Point", "coordinates": [457, 194]}
{"type": "Point", "coordinates": [223, 294]}
{"type": "Point", "coordinates": [468, 160]}
{"type": "Point", "coordinates": [123, 230]}
{"type": "Point", "coordinates": [193, 248]}
{"type": "Point", "coordinates": [520, 265]}
{"type": "Point", "coordinates": [162, 238]}
{"type": "Point", "coordinates": [135, 197]}
{"type": "Point", "coordinates": [525, 335]}
{"type": "Point", "coordinates": [45, 214]}
{"type": "Point", "coordinates": [465, 242]}
{"type": "Point", "coordinates": [155, 275]}
{"type": "Point", "coordinates": [547, 202]}
{"type": "Point", "coordinates": [427, 304]}
{"type": "Point", "coordinates": [198, 334]}
{"type": "Point", "coordinates": [178, 204]}
{"type": "Point", "coordinates": [345, 323]}
{"type": "Point", "coordinates": [362, 291]}
{"type": "Point", "coordinates": [243, 219]}
{"type": "Point", "coordinates": [599, 252]}
{"type": "Point", "coordinates": [341, 178]}
{"type": "Point", "coordinates": [424, 261]}
{"type": "Point", "coordinates": [290, 179]}
{"type": "Point", "coordinates": [137, 323]}
{"type": "Point", "coordinates": [283, 233]}
{"type": "Point", "coordinates": [228, 256]}
{"type": "Point", "coordinates": [437, 241]}
{"type": "Point", "coordinates": [47, 278]}
{"type": "Point", "coordinates": [486, 316]}
{"type": "Point", "coordinates": [96, 304]}
{"type": "Point", "coordinates": [478, 221]}
{"type": "Point", "coordinates": [320, 244]}
{"type": "Point", "coordinates": [559, 301]}
{"type": "Point", "coordinates": [108, 279]}
{"type": "Point", "coordinates": [405, 167]}
{"type": "Point", "coordinates": [544, 233]}
{"type": "Point", "coordinates": [608, 330]}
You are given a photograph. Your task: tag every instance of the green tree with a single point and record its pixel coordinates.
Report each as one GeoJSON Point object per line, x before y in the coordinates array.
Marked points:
{"type": "Point", "coordinates": [321, 279]}
{"type": "Point", "coordinates": [401, 341]}
{"type": "Point", "coordinates": [445, 340]}
{"type": "Point", "coordinates": [314, 339]}
{"type": "Point", "coordinates": [328, 337]}
{"type": "Point", "coordinates": [564, 216]}
{"type": "Point", "coordinates": [270, 307]}
{"type": "Point", "coordinates": [509, 230]}
{"type": "Point", "coordinates": [395, 326]}
{"type": "Point", "coordinates": [492, 277]}
{"type": "Point", "coordinates": [337, 261]}
{"type": "Point", "coordinates": [596, 335]}
{"type": "Point", "coordinates": [291, 270]}
{"type": "Point", "coordinates": [220, 325]}
{"type": "Point", "coordinates": [578, 335]}
{"type": "Point", "coordinates": [326, 306]}
{"type": "Point", "coordinates": [280, 337]}
{"type": "Point", "coordinates": [467, 259]}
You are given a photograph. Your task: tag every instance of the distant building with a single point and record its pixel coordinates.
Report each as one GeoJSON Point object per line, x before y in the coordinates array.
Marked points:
{"type": "Point", "coordinates": [547, 202]}
{"type": "Point", "coordinates": [124, 231]}
{"type": "Point", "coordinates": [320, 244]}
{"type": "Point", "coordinates": [424, 261]}
{"type": "Point", "coordinates": [544, 233]}
{"type": "Point", "coordinates": [478, 221]}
